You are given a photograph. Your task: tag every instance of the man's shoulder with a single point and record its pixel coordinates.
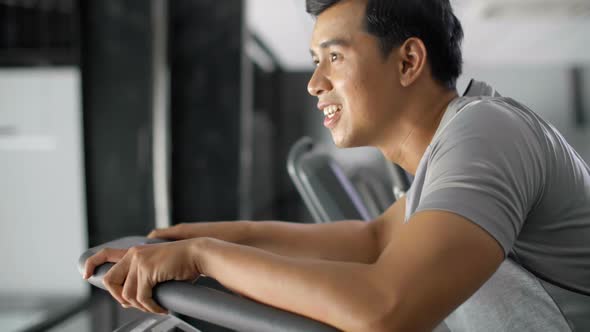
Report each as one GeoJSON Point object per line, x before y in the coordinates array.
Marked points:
{"type": "Point", "coordinates": [490, 119]}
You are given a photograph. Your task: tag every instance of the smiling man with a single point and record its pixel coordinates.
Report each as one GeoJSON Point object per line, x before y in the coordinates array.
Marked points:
{"type": "Point", "coordinates": [492, 180]}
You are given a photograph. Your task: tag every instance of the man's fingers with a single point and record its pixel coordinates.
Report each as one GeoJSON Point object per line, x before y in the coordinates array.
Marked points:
{"type": "Point", "coordinates": [144, 296]}
{"type": "Point", "coordinates": [170, 233]}
{"type": "Point", "coordinates": [152, 306]}
{"type": "Point", "coordinates": [101, 257]}
{"type": "Point", "coordinates": [116, 292]}
{"type": "Point", "coordinates": [154, 234]}
{"type": "Point", "coordinates": [115, 278]}
{"type": "Point", "coordinates": [130, 289]}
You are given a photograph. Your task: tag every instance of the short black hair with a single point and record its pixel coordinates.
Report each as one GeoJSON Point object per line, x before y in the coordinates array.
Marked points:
{"type": "Point", "coordinates": [432, 21]}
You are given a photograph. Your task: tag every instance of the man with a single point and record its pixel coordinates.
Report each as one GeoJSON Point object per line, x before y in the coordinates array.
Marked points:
{"type": "Point", "coordinates": [492, 179]}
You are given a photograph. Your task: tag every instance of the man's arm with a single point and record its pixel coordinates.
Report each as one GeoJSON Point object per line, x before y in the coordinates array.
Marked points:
{"type": "Point", "coordinates": [351, 241]}
{"type": "Point", "coordinates": [140, 268]}
{"type": "Point", "coordinates": [427, 267]}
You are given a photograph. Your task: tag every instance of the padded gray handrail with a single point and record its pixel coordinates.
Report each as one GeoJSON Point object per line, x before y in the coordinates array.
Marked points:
{"type": "Point", "coordinates": [204, 303]}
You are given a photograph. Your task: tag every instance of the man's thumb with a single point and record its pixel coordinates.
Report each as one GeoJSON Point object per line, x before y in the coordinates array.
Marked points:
{"type": "Point", "coordinates": [161, 233]}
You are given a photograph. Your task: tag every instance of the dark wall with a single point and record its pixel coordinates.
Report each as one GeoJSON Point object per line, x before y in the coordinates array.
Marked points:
{"type": "Point", "coordinates": [205, 63]}
{"type": "Point", "coordinates": [39, 33]}
{"type": "Point", "coordinates": [281, 111]}
{"type": "Point", "coordinates": [295, 106]}
{"type": "Point", "coordinates": [117, 94]}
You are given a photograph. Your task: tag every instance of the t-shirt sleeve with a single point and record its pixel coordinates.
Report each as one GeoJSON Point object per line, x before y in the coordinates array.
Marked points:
{"type": "Point", "coordinates": [486, 166]}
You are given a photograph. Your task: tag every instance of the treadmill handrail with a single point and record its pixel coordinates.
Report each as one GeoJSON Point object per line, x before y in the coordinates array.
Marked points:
{"type": "Point", "coordinates": [322, 184]}
{"type": "Point", "coordinates": [220, 308]}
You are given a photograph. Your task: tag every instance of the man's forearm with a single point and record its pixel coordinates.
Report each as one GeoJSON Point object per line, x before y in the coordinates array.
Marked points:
{"type": "Point", "coordinates": [341, 294]}
{"type": "Point", "coordinates": [352, 241]}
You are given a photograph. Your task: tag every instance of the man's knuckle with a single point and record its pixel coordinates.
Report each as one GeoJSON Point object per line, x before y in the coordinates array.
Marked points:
{"type": "Point", "coordinates": [107, 280]}
{"type": "Point", "coordinates": [92, 260]}
{"type": "Point", "coordinates": [136, 253]}
{"type": "Point", "coordinates": [90, 263]}
{"type": "Point", "coordinates": [127, 295]}
{"type": "Point", "coordinates": [109, 287]}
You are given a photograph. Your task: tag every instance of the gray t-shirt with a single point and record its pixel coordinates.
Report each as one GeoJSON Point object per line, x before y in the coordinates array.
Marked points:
{"type": "Point", "coordinates": [498, 164]}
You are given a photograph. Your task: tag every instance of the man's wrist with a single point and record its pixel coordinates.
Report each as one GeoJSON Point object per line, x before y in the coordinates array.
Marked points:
{"type": "Point", "coordinates": [200, 249]}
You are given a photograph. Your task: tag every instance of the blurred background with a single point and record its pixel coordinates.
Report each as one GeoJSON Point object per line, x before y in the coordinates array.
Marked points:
{"type": "Point", "coordinates": [119, 116]}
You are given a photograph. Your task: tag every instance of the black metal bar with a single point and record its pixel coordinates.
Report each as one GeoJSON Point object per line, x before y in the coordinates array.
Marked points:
{"type": "Point", "coordinates": [578, 97]}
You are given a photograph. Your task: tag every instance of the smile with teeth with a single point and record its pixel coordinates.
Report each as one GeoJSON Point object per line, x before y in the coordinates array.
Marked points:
{"type": "Point", "coordinates": [331, 110]}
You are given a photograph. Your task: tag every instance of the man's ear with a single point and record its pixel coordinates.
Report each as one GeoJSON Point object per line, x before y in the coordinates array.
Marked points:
{"type": "Point", "coordinates": [412, 60]}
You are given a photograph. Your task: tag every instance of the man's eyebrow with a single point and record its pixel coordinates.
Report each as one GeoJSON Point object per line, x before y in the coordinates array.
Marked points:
{"type": "Point", "coordinates": [331, 42]}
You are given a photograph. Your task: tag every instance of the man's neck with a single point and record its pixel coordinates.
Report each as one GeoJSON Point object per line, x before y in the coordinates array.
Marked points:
{"type": "Point", "coordinates": [415, 129]}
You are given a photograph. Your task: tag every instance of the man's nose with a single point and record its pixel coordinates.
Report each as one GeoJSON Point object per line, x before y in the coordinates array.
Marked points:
{"type": "Point", "coordinates": [318, 84]}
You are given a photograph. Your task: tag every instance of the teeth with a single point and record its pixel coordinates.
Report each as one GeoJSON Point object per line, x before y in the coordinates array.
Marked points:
{"type": "Point", "coordinates": [331, 110]}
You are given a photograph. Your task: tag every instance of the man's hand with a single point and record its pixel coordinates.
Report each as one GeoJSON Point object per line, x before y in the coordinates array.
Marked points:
{"type": "Point", "coordinates": [178, 232]}
{"type": "Point", "coordinates": [139, 269]}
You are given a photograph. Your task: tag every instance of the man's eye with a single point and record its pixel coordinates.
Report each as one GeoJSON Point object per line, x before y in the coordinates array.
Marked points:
{"type": "Point", "coordinates": [333, 57]}
{"type": "Point", "coordinates": [315, 62]}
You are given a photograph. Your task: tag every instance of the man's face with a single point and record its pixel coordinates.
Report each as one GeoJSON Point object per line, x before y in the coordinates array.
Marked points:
{"type": "Point", "coordinates": [353, 76]}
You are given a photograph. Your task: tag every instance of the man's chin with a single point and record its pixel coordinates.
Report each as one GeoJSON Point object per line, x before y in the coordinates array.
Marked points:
{"type": "Point", "coordinates": [344, 142]}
